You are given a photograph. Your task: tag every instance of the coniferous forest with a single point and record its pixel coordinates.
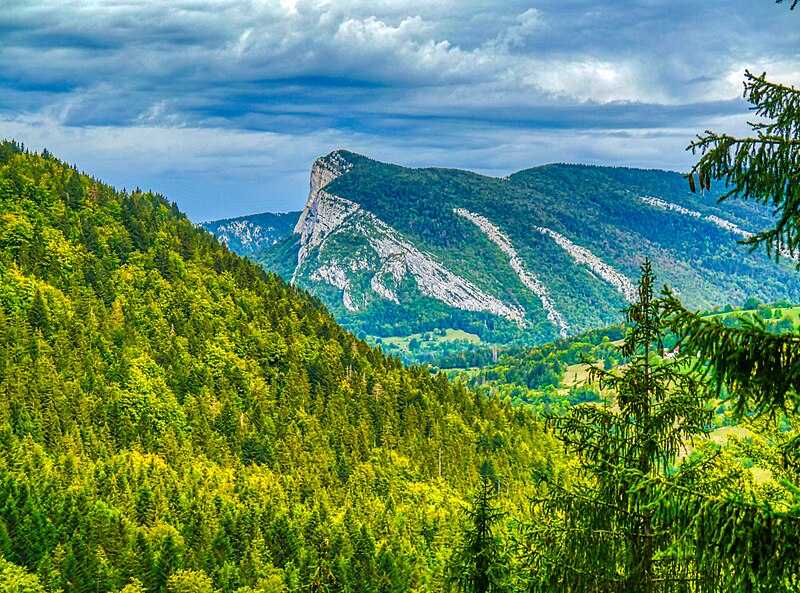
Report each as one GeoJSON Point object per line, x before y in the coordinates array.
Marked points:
{"type": "Point", "coordinates": [174, 419]}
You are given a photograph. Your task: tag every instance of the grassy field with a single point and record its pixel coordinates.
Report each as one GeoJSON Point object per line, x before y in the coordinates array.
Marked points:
{"type": "Point", "coordinates": [575, 375]}
{"type": "Point", "coordinates": [720, 436]}
{"type": "Point", "coordinates": [792, 313]}
{"type": "Point", "coordinates": [429, 340]}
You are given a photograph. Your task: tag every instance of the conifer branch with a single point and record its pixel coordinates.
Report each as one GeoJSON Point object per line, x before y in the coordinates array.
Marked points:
{"type": "Point", "coordinates": [760, 370]}
{"type": "Point", "coordinates": [765, 167]}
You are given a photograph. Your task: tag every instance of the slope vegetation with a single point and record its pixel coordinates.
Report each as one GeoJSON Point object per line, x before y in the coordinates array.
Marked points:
{"type": "Point", "coordinates": [545, 253]}
{"type": "Point", "coordinates": [174, 418]}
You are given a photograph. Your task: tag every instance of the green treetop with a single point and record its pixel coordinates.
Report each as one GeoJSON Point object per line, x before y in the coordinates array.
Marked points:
{"type": "Point", "coordinates": [601, 533]}
{"type": "Point", "coordinates": [478, 563]}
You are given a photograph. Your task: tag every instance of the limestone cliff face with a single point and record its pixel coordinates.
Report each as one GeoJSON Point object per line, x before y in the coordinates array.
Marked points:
{"type": "Point", "coordinates": [323, 212]}
{"type": "Point", "coordinates": [712, 218]}
{"type": "Point", "coordinates": [388, 262]}
{"type": "Point", "coordinates": [247, 235]}
{"type": "Point", "coordinates": [620, 282]}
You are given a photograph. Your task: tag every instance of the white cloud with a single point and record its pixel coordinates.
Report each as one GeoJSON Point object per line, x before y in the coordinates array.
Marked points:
{"type": "Point", "coordinates": [180, 86]}
{"type": "Point", "coordinates": [594, 80]}
{"type": "Point", "coordinates": [517, 35]}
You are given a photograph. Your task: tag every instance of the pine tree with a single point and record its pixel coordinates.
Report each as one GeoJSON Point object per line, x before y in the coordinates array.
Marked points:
{"type": "Point", "coordinates": [757, 370]}
{"type": "Point", "coordinates": [603, 534]}
{"type": "Point", "coordinates": [478, 563]}
{"type": "Point", "coordinates": [168, 562]}
{"type": "Point", "coordinates": [38, 315]}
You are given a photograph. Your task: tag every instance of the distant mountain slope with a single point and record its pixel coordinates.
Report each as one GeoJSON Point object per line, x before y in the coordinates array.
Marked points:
{"type": "Point", "coordinates": [544, 253]}
{"type": "Point", "coordinates": [173, 418]}
{"type": "Point", "coordinates": [247, 234]}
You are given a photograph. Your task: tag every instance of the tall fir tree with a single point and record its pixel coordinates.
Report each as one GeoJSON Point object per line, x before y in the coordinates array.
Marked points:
{"type": "Point", "coordinates": [758, 371]}
{"type": "Point", "coordinates": [604, 533]}
{"type": "Point", "coordinates": [479, 563]}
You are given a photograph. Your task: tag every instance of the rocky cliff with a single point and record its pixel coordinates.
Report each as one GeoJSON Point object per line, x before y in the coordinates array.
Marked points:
{"type": "Point", "coordinates": [389, 260]}
{"type": "Point", "coordinates": [542, 253]}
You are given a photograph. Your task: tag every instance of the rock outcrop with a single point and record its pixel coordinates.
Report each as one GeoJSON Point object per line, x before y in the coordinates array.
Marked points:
{"type": "Point", "coordinates": [323, 212]}
{"type": "Point", "coordinates": [620, 282]}
{"type": "Point", "coordinates": [533, 284]}
{"type": "Point", "coordinates": [393, 258]}
{"type": "Point", "coordinates": [712, 218]}
{"type": "Point", "coordinates": [247, 235]}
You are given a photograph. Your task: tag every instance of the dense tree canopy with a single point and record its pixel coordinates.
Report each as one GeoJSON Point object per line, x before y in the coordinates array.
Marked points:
{"type": "Point", "coordinates": [174, 419]}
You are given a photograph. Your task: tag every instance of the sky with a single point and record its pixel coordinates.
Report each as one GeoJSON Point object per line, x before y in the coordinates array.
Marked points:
{"type": "Point", "coordinates": [222, 106]}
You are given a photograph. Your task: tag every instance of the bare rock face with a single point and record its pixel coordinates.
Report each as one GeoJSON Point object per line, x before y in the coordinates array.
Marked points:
{"type": "Point", "coordinates": [323, 212]}
{"type": "Point", "coordinates": [336, 276]}
{"type": "Point", "coordinates": [400, 258]}
{"type": "Point", "coordinates": [619, 281]}
{"type": "Point", "coordinates": [391, 260]}
{"type": "Point", "coordinates": [249, 234]}
{"type": "Point", "coordinates": [533, 283]}
{"type": "Point", "coordinates": [712, 218]}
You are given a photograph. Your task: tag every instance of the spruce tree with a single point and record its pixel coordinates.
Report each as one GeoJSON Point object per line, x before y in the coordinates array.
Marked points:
{"type": "Point", "coordinates": [758, 371]}
{"type": "Point", "coordinates": [38, 316]}
{"type": "Point", "coordinates": [478, 563]}
{"type": "Point", "coordinates": [604, 532]}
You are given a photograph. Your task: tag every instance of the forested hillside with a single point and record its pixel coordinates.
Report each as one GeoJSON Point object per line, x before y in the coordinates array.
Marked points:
{"type": "Point", "coordinates": [174, 418]}
{"type": "Point", "coordinates": [545, 253]}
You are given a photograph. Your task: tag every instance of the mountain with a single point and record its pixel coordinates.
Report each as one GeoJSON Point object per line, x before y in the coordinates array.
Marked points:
{"type": "Point", "coordinates": [541, 254]}
{"type": "Point", "coordinates": [173, 418]}
{"type": "Point", "coordinates": [248, 234]}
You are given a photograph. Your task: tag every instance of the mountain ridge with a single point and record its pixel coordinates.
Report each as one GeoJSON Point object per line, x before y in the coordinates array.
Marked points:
{"type": "Point", "coordinates": [573, 229]}
{"type": "Point", "coordinates": [173, 417]}
{"type": "Point", "coordinates": [249, 234]}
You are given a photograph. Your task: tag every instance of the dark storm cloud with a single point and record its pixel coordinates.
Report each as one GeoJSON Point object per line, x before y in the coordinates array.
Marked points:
{"type": "Point", "coordinates": [249, 92]}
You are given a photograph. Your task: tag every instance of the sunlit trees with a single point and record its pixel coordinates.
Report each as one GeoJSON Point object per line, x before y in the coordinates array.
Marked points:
{"type": "Point", "coordinates": [173, 418]}
{"type": "Point", "coordinates": [601, 533]}
{"type": "Point", "coordinates": [479, 563]}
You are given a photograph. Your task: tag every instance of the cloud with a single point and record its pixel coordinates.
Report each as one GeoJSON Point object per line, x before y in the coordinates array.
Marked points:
{"type": "Point", "coordinates": [253, 90]}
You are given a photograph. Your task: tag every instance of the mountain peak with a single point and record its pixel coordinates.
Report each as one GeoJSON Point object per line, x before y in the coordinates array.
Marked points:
{"type": "Point", "coordinates": [320, 216]}
{"type": "Point", "coordinates": [553, 249]}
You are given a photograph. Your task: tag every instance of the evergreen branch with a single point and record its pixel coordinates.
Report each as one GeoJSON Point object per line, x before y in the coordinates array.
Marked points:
{"type": "Point", "coordinates": [616, 579]}
{"type": "Point", "coordinates": [793, 5]}
{"type": "Point", "coordinates": [773, 101]}
{"type": "Point", "coordinates": [593, 501]}
{"type": "Point", "coordinates": [760, 370]}
{"type": "Point", "coordinates": [765, 167]}
{"type": "Point", "coordinates": [645, 483]}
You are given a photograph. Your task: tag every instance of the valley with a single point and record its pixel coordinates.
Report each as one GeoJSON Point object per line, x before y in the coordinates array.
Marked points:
{"type": "Point", "coordinates": [202, 422]}
{"type": "Point", "coordinates": [399, 297]}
